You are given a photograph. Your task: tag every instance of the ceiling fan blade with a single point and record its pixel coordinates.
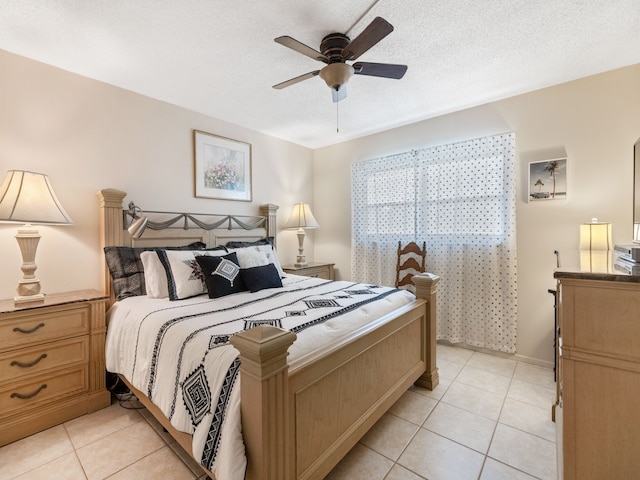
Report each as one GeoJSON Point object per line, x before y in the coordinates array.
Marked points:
{"type": "Point", "coordinates": [340, 94]}
{"type": "Point", "coordinates": [386, 70]}
{"type": "Point", "coordinates": [300, 47]}
{"type": "Point", "coordinates": [291, 81]}
{"type": "Point", "coordinates": [375, 31]}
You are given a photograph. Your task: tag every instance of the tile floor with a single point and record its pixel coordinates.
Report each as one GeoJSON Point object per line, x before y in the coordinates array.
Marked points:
{"type": "Point", "coordinates": [489, 419]}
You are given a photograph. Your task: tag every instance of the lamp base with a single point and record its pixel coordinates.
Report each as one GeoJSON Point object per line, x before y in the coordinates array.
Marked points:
{"type": "Point", "coordinates": [301, 259]}
{"type": "Point", "coordinates": [29, 287]}
{"type": "Point", "coordinates": [20, 299]}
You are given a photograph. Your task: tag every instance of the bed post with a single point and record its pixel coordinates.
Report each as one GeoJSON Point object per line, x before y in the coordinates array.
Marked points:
{"type": "Point", "coordinates": [111, 230]}
{"type": "Point", "coordinates": [265, 400]}
{"type": "Point", "coordinates": [426, 287]}
{"type": "Point", "coordinates": [270, 211]}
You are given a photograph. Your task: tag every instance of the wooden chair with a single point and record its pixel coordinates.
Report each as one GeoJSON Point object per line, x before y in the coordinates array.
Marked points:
{"type": "Point", "coordinates": [414, 262]}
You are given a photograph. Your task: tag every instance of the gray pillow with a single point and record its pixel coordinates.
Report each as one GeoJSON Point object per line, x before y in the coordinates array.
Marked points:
{"type": "Point", "coordinates": [241, 244]}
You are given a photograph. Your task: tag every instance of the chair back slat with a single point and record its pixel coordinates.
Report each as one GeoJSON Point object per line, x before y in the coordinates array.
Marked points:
{"type": "Point", "coordinates": [415, 263]}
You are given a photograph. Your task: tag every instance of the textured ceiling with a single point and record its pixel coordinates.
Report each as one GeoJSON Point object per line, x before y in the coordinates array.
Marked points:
{"type": "Point", "coordinates": [219, 58]}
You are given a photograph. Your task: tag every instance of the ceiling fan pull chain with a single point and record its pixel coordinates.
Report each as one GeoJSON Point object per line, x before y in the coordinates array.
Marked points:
{"type": "Point", "coordinates": [337, 118]}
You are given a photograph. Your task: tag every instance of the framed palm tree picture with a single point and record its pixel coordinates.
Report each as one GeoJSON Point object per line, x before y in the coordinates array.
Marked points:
{"type": "Point", "coordinates": [548, 180]}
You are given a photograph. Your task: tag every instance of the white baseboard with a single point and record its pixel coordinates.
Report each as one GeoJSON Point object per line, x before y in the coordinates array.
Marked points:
{"type": "Point", "coordinates": [514, 356]}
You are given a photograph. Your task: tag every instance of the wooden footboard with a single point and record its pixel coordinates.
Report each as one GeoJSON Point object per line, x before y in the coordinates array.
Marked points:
{"type": "Point", "coordinates": [299, 420]}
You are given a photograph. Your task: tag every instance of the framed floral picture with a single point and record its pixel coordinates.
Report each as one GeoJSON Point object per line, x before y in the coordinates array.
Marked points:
{"type": "Point", "coordinates": [548, 180]}
{"type": "Point", "coordinates": [222, 167]}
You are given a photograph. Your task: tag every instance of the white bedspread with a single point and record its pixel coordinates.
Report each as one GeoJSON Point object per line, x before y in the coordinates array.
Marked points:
{"type": "Point", "coordinates": [178, 353]}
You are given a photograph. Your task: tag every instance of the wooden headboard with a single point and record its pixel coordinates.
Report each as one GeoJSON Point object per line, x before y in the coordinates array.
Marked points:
{"type": "Point", "coordinates": [182, 228]}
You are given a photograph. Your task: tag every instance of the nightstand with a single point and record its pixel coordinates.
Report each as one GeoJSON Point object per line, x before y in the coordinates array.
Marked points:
{"type": "Point", "coordinates": [318, 270]}
{"type": "Point", "coordinates": [52, 364]}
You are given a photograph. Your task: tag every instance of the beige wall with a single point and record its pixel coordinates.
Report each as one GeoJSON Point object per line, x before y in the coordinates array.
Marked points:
{"type": "Point", "coordinates": [593, 121]}
{"type": "Point", "coordinates": [87, 135]}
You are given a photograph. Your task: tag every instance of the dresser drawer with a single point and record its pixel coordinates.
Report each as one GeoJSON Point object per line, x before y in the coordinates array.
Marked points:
{"type": "Point", "coordinates": [43, 389]}
{"type": "Point", "coordinates": [34, 360]}
{"type": "Point", "coordinates": [317, 272]}
{"type": "Point", "coordinates": [605, 320]}
{"type": "Point", "coordinates": [22, 329]}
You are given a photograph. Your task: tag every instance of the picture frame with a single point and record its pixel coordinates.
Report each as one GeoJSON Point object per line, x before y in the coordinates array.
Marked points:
{"type": "Point", "coordinates": [548, 180]}
{"type": "Point", "coordinates": [222, 167]}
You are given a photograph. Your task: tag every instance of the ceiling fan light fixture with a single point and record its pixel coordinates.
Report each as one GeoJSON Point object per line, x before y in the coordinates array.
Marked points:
{"type": "Point", "coordinates": [336, 74]}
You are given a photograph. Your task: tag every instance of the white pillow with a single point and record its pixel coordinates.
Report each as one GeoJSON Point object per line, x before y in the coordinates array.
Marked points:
{"type": "Point", "coordinates": [249, 258]}
{"type": "Point", "coordinates": [267, 250]}
{"type": "Point", "coordinates": [184, 276]}
{"type": "Point", "coordinates": [272, 255]}
{"type": "Point", "coordinates": [155, 276]}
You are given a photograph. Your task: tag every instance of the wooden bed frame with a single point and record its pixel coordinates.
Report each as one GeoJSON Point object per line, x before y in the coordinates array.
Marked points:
{"type": "Point", "coordinates": [299, 419]}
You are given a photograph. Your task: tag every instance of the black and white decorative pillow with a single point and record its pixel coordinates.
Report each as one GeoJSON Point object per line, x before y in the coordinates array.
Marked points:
{"type": "Point", "coordinates": [184, 275]}
{"type": "Point", "coordinates": [221, 275]}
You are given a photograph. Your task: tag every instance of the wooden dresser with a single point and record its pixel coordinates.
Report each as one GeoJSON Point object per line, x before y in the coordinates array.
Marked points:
{"type": "Point", "coordinates": [52, 365]}
{"type": "Point", "coordinates": [598, 408]}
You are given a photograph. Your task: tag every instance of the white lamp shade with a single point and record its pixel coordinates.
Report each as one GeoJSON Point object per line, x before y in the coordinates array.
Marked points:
{"type": "Point", "coordinates": [301, 217]}
{"type": "Point", "coordinates": [27, 197]}
{"type": "Point", "coordinates": [596, 261]}
{"type": "Point", "coordinates": [595, 236]}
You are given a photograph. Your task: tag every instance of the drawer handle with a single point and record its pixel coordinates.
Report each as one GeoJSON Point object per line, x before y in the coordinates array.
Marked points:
{"type": "Point", "coordinates": [16, 363]}
{"type": "Point", "coordinates": [30, 395]}
{"type": "Point", "coordinates": [18, 329]}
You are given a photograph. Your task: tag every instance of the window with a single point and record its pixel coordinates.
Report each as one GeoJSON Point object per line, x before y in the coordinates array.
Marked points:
{"type": "Point", "coordinates": [390, 202]}
{"type": "Point", "coordinates": [460, 199]}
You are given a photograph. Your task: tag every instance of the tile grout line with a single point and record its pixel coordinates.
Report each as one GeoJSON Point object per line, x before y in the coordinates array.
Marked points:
{"type": "Point", "coordinates": [421, 426]}
{"type": "Point", "coordinates": [75, 451]}
{"type": "Point", "coordinates": [493, 434]}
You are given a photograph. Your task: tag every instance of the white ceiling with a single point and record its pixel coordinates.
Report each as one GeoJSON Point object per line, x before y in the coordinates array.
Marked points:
{"type": "Point", "coordinates": [219, 58]}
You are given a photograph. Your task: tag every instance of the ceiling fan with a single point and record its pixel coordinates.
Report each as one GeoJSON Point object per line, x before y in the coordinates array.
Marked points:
{"type": "Point", "coordinates": [336, 49]}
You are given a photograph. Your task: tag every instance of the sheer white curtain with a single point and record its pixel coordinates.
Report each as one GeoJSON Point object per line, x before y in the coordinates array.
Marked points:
{"type": "Point", "coordinates": [383, 209]}
{"type": "Point", "coordinates": [460, 199]}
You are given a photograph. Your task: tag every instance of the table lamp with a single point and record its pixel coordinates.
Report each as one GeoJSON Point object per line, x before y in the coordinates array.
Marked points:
{"type": "Point", "coordinates": [28, 198]}
{"type": "Point", "coordinates": [301, 218]}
